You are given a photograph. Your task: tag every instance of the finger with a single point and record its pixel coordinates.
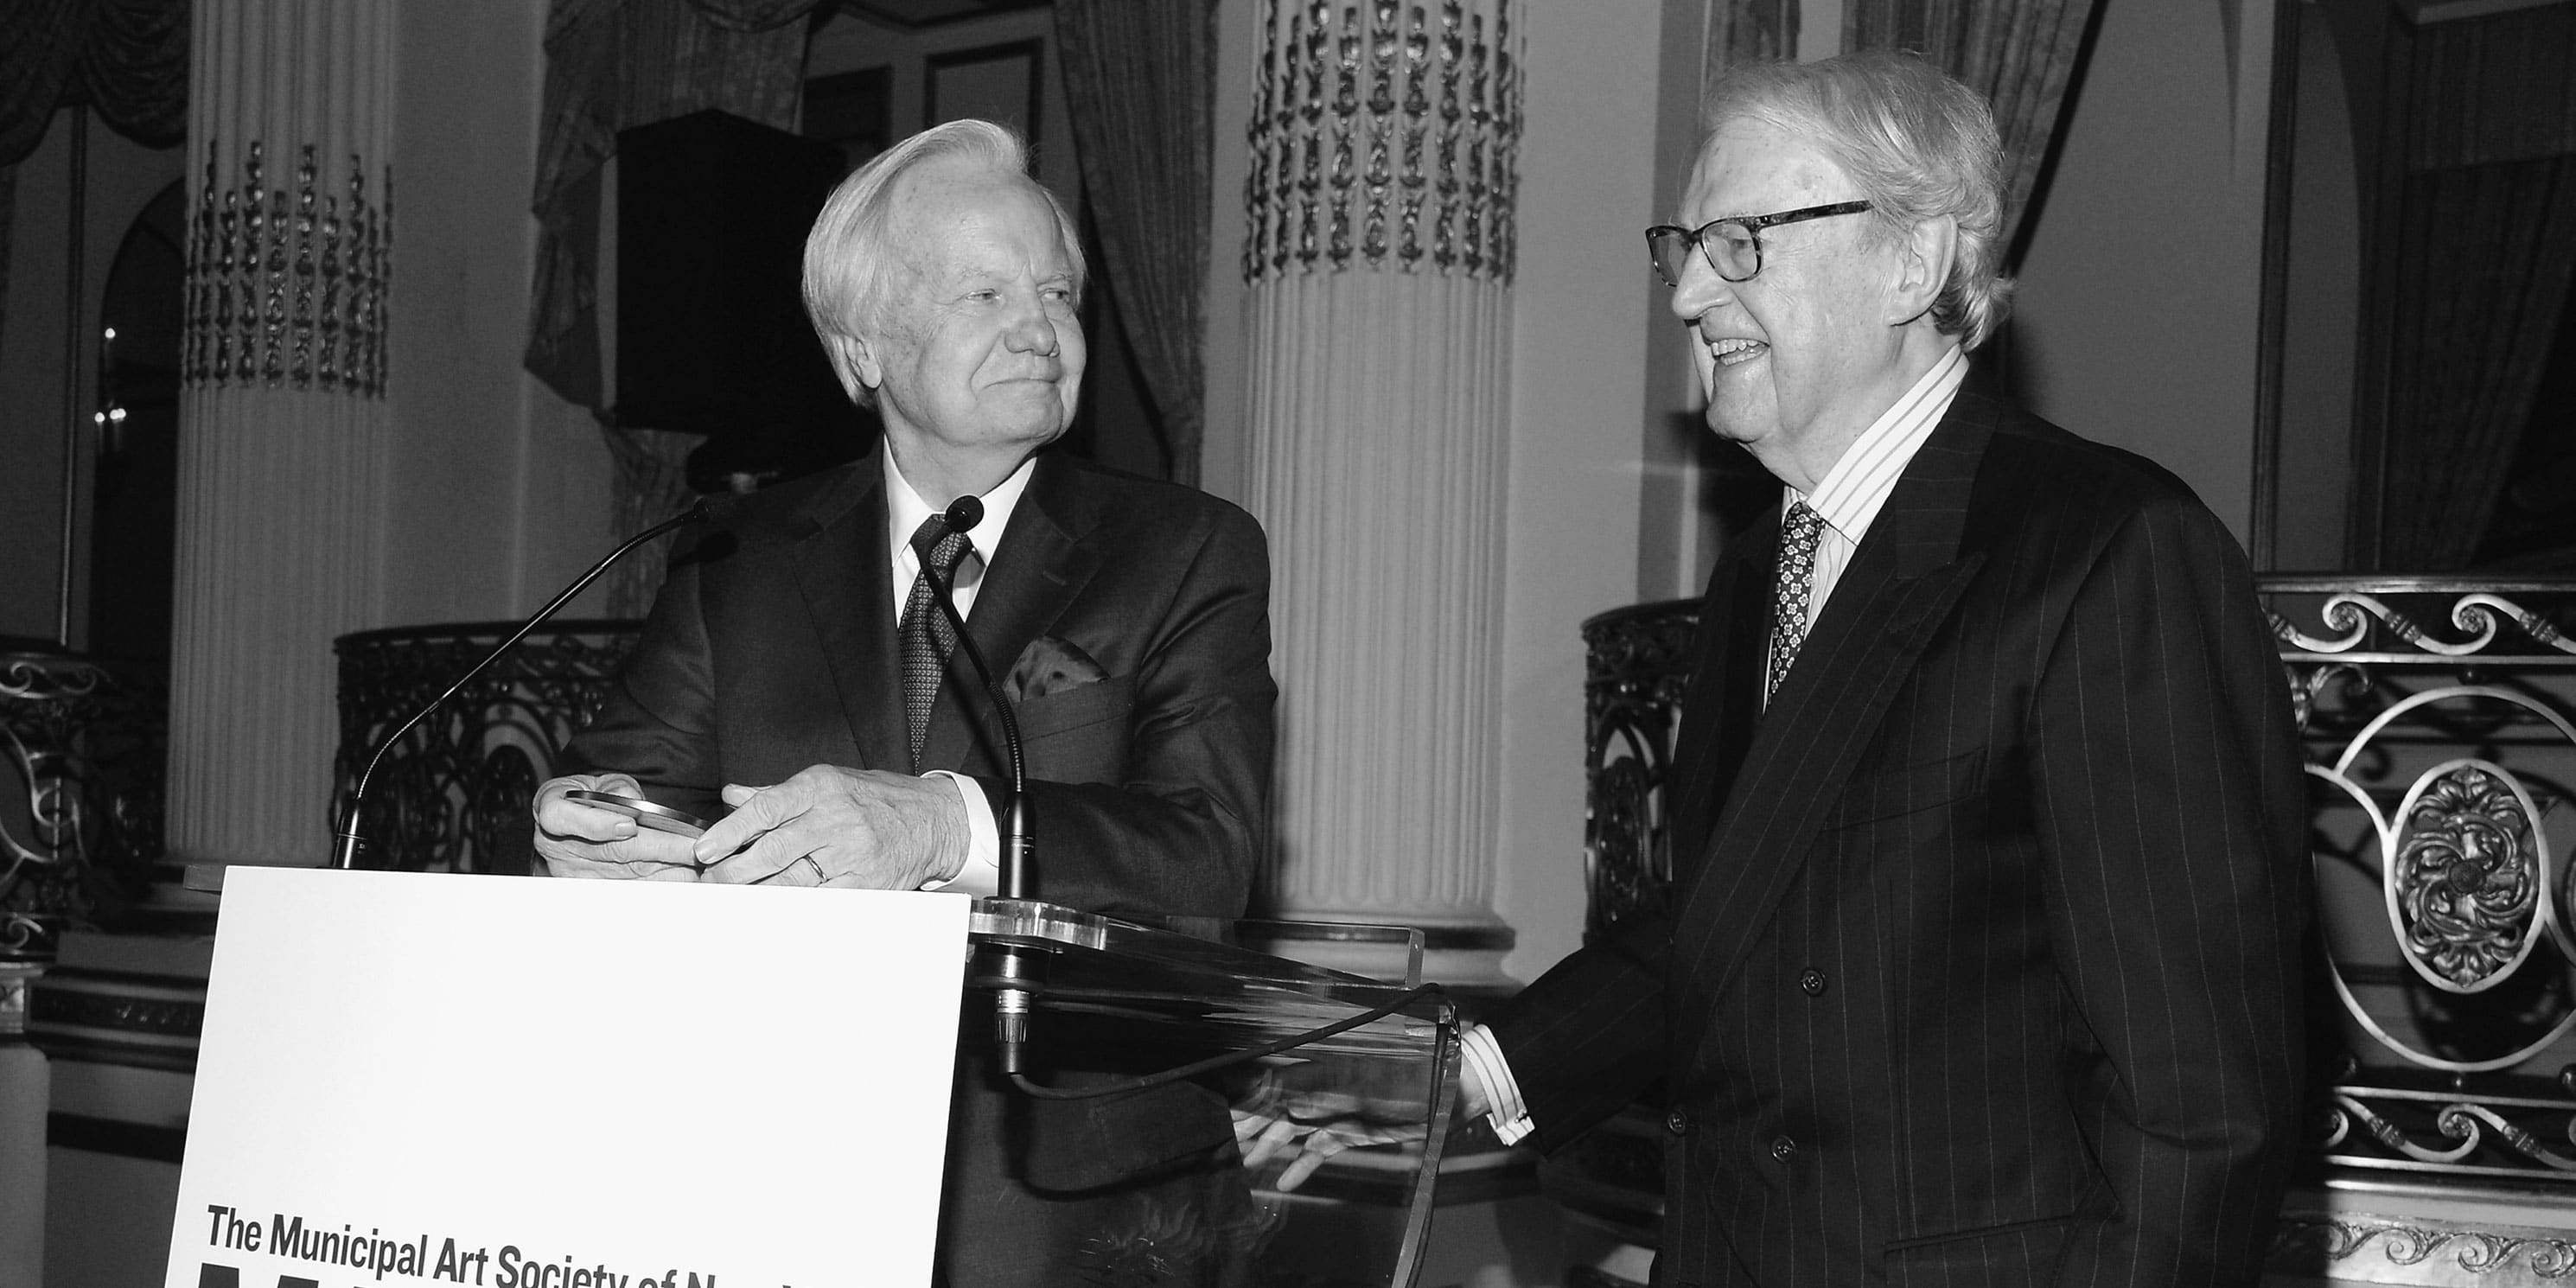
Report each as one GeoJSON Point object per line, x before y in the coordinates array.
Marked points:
{"type": "Point", "coordinates": [767, 857]}
{"type": "Point", "coordinates": [758, 812]}
{"type": "Point", "coordinates": [650, 855]}
{"type": "Point", "coordinates": [645, 848]}
{"type": "Point", "coordinates": [613, 784]}
{"type": "Point", "coordinates": [735, 794]}
{"type": "Point", "coordinates": [565, 818]}
{"type": "Point", "coordinates": [1306, 1163]}
{"type": "Point", "coordinates": [1275, 1140]}
{"type": "Point", "coordinates": [858, 864]}
{"type": "Point", "coordinates": [803, 872]}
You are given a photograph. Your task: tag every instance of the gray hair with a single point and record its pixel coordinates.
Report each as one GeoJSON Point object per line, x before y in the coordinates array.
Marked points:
{"type": "Point", "coordinates": [846, 253]}
{"type": "Point", "coordinates": [1920, 145]}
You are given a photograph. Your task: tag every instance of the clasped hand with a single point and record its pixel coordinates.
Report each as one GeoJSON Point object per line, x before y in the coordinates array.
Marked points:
{"type": "Point", "coordinates": [827, 825]}
{"type": "Point", "coordinates": [1302, 1115]}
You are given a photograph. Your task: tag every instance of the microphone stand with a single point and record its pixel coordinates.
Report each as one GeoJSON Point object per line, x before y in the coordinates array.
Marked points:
{"type": "Point", "coordinates": [350, 841]}
{"type": "Point", "coordinates": [1014, 970]}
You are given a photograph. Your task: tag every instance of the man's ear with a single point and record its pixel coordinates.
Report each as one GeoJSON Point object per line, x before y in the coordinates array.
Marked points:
{"type": "Point", "coordinates": [855, 362]}
{"type": "Point", "coordinates": [1923, 258]}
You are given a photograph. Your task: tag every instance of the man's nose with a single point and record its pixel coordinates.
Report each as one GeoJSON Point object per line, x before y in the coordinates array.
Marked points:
{"type": "Point", "coordinates": [1031, 330]}
{"type": "Point", "coordinates": [1701, 289]}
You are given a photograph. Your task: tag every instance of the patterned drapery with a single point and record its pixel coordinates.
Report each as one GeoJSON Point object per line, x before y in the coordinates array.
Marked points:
{"type": "Point", "coordinates": [2483, 253]}
{"type": "Point", "coordinates": [2020, 54]}
{"type": "Point", "coordinates": [612, 64]}
{"type": "Point", "coordinates": [1139, 77]}
{"type": "Point", "coordinates": [1746, 31]}
{"type": "Point", "coordinates": [127, 59]}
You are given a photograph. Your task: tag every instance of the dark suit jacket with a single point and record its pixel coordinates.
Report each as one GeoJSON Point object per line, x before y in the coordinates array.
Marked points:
{"type": "Point", "coordinates": [772, 647]}
{"type": "Point", "coordinates": [1981, 964]}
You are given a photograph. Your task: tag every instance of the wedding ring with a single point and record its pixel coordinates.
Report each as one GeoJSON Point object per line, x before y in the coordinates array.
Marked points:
{"type": "Point", "coordinates": [819, 878]}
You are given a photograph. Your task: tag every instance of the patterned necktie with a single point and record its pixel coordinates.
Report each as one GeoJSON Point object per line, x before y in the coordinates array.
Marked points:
{"type": "Point", "coordinates": [927, 636]}
{"type": "Point", "coordinates": [1800, 530]}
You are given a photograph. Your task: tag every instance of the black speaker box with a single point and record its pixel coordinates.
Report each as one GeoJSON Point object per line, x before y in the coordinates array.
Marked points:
{"type": "Point", "coordinates": [712, 339]}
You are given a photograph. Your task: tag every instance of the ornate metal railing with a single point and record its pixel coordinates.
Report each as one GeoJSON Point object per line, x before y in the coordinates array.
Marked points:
{"type": "Point", "coordinates": [2440, 719]}
{"type": "Point", "coordinates": [1636, 662]}
{"type": "Point", "coordinates": [84, 743]}
{"type": "Point", "coordinates": [2440, 722]}
{"type": "Point", "coordinates": [452, 796]}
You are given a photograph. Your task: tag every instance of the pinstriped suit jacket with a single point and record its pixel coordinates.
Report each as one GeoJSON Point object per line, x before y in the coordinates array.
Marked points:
{"type": "Point", "coordinates": [1981, 967]}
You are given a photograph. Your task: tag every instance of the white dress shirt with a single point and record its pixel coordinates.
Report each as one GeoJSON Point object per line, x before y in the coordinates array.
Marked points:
{"type": "Point", "coordinates": [1848, 498]}
{"type": "Point", "coordinates": [905, 511]}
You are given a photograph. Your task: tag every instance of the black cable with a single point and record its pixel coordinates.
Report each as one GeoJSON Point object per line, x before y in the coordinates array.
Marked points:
{"type": "Point", "coordinates": [1229, 1059]}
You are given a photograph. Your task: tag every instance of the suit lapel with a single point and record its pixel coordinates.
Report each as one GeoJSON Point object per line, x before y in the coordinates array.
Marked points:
{"type": "Point", "coordinates": [1892, 599]}
{"type": "Point", "coordinates": [1045, 557]}
{"type": "Point", "coordinates": [844, 569]}
{"type": "Point", "coordinates": [1720, 707]}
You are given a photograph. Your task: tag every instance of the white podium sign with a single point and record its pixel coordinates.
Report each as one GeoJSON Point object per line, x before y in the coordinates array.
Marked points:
{"type": "Point", "coordinates": [507, 1082]}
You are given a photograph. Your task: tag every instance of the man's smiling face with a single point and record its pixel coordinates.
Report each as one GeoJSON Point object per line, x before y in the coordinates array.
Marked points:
{"type": "Point", "coordinates": [1801, 357]}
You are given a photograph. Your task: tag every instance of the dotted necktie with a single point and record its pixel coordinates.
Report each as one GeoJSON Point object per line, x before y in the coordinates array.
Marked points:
{"type": "Point", "coordinates": [1800, 529]}
{"type": "Point", "coordinates": [927, 636]}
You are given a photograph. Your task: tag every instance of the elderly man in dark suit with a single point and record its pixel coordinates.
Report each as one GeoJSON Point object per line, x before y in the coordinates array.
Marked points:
{"type": "Point", "coordinates": [773, 678]}
{"type": "Point", "coordinates": [1979, 967]}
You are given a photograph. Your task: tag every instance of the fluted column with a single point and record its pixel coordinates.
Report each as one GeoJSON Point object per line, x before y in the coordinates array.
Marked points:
{"type": "Point", "coordinates": [1379, 261]}
{"type": "Point", "coordinates": [282, 416]}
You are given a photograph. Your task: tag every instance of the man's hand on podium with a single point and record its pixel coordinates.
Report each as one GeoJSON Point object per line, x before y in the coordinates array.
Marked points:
{"type": "Point", "coordinates": [827, 825]}
{"type": "Point", "coordinates": [1290, 1113]}
{"type": "Point", "coordinates": [578, 840]}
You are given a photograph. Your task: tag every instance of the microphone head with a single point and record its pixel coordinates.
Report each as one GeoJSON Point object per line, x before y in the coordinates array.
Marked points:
{"type": "Point", "coordinates": [964, 513]}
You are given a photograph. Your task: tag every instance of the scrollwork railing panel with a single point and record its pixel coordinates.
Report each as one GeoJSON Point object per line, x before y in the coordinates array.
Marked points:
{"type": "Point", "coordinates": [452, 796]}
{"type": "Point", "coordinates": [1637, 661]}
{"type": "Point", "coordinates": [2440, 721]}
{"type": "Point", "coordinates": [83, 742]}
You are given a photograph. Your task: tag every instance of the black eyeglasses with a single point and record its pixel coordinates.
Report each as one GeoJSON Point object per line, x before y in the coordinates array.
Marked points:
{"type": "Point", "coordinates": [1732, 246]}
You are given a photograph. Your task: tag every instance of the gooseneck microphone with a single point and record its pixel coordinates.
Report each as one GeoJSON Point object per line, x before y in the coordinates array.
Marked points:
{"type": "Point", "coordinates": [350, 840]}
{"type": "Point", "coordinates": [1013, 967]}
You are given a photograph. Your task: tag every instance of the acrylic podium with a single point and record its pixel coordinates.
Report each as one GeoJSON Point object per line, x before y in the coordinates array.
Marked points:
{"type": "Point", "coordinates": [1197, 989]}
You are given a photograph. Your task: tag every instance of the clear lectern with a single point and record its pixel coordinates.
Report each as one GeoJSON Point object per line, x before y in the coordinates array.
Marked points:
{"type": "Point", "coordinates": [1198, 990]}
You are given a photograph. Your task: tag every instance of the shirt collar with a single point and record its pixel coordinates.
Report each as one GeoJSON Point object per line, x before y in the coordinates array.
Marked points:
{"type": "Point", "coordinates": [1851, 494]}
{"type": "Point", "coordinates": [905, 511]}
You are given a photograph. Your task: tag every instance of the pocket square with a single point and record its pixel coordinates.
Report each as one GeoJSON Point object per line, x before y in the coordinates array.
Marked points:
{"type": "Point", "coordinates": [1051, 665]}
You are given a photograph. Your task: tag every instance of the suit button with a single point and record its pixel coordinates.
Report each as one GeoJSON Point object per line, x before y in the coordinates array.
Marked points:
{"type": "Point", "coordinates": [1811, 982]}
{"type": "Point", "coordinates": [1677, 1123]}
{"type": "Point", "coordinates": [1783, 1149]}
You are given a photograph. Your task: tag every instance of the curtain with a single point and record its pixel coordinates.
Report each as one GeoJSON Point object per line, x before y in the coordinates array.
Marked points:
{"type": "Point", "coordinates": [611, 64]}
{"type": "Point", "coordinates": [2481, 250]}
{"type": "Point", "coordinates": [2020, 54]}
{"type": "Point", "coordinates": [1736, 31]}
{"type": "Point", "coordinates": [1139, 79]}
{"type": "Point", "coordinates": [2484, 259]}
{"type": "Point", "coordinates": [128, 59]}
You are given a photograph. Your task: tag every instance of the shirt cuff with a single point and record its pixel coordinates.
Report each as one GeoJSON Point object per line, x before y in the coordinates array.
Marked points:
{"type": "Point", "coordinates": [982, 874]}
{"type": "Point", "coordinates": [1509, 1116]}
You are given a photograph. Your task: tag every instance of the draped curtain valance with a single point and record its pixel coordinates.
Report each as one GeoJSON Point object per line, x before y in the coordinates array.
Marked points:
{"type": "Point", "coordinates": [126, 59]}
{"type": "Point", "coordinates": [610, 65]}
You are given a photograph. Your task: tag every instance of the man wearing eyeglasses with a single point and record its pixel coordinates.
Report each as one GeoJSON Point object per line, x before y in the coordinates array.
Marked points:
{"type": "Point", "coordinates": [1986, 817]}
